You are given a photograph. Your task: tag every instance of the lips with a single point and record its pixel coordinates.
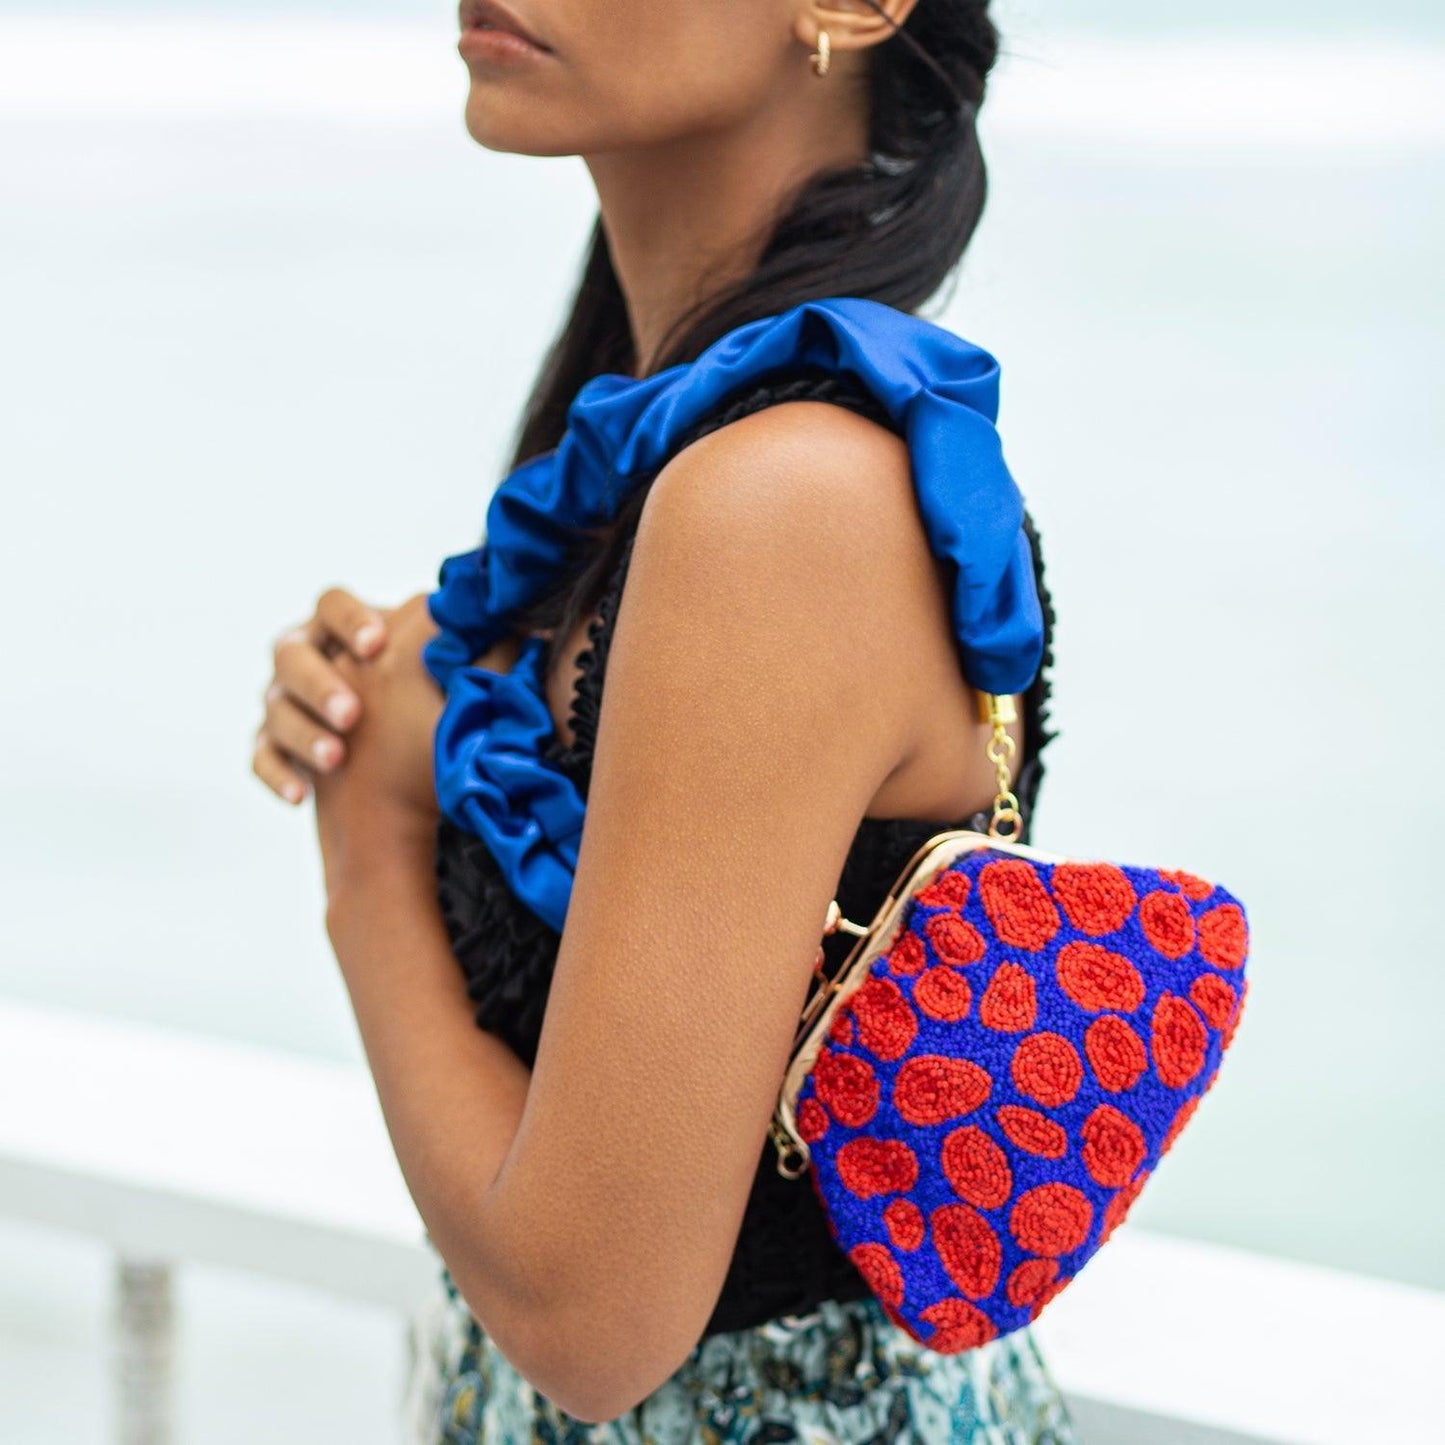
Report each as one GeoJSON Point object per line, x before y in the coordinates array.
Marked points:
{"type": "Point", "coordinates": [490, 15]}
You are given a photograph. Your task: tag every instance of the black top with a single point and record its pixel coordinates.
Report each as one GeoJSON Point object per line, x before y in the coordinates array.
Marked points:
{"type": "Point", "coordinates": [786, 1260]}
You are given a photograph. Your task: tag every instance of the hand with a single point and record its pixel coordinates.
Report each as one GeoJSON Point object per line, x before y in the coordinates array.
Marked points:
{"type": "Point", "coordinates": [308, 702]}
{"type": "Point", "coordinates": [382, 808]}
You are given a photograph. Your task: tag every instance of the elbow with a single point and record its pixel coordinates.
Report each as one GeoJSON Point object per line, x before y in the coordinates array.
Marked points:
{"type": "Point", "coordinates": [597, 1364]}
{"type": "Point", "coordinates": [594, 1362]}
{"type": "Point", "coordinates": [591, 1340]}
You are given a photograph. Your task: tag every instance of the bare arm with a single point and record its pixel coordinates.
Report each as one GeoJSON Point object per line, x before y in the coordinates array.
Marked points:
{"type": "Point", "coordinates": [757, 699]}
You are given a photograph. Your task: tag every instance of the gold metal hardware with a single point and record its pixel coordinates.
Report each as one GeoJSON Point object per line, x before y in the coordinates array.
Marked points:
{"type": "Point", "coordinates": [1003, 704]}
{"type": "Point", "coordinates": [792, 1159]}
{"type": "Point", "coordinates": [821, 57]}
{"type": "Point", "coordinates": [836, 923]}
{"type": "Point", "coordinates": [1000, 710]}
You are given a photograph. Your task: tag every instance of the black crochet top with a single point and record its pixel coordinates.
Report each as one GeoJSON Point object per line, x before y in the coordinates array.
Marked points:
{"type": "Point", "coordinates": [786, 1260]}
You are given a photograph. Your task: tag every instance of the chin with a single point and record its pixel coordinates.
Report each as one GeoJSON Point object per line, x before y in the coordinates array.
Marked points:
{"type": "Point", "coordinates": [504, 123]}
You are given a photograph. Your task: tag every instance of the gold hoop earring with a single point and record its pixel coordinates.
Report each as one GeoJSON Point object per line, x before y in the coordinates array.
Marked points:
{"type": "Point", "coordinates": [822, 55]}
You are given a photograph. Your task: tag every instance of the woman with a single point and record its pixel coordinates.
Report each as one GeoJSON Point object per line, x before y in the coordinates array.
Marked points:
{"type": "Point", "coordinates": [785, 722]}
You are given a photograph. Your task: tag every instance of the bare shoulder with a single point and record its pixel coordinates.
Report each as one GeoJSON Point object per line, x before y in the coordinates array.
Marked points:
{"type": "Point", "coordinates": [807, 511]}
{"type": "Point", "coordinates": [800, 524]}
{"type": "Point", "coordinates": [806, 468]}
{"type": "Point", "coordinates": [813, 505]}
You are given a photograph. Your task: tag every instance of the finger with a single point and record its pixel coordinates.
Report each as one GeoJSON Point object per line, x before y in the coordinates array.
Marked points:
{"type": "Point", "coordinates": [361, 628]}
{"type": "Point", "coordinates": [285, 781]}
{"type": "Point", "coordinates": [310, 633]}
{"type": "Point", "coordinates": [307, 676]}
{"type": "Point", "coordinates": [299, 737]}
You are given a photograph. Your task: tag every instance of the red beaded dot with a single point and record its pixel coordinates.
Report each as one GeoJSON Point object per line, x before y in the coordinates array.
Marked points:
{"type": "Point", "coordinates": [943, 993]}
{"type": "Point", "coordinates": [1019, 907]}
{"type": "Point", "coordinates": [1010, 1003]}
{"type": "Point", "coordinates": [1168, 924]}
{"type": "Point", "coordinates": [1097, 897]}
{"type": "Point", "coordinates": [1176, 1127]}
{"type": "Point", "coordinates": [1191, 885]}
{"type": "Point", "coordinates": [1214, 998]}
{"type": "Point", "coordinates": [907, 956]}
{"type": "Point", "coordinates": [841, 1029]}
{"type": "Point", "coordinates": [955, 941]}
{"type": "Point", "coordinates": [1030, 1279]}
{"type": "Point", "coordinates": [968, 1247]}
{"type": "Point", "coordinates": [812, 1121]}
{"type": "Point", "coordinates": [1118, 1207]}
{"type": "Point", "coordinates": [1052, 1219]}
{"type": "Point", "coordinates": [1032, 1132]}
{"type": "Point", "coordinates": [870, 1166]}
{"type": "Point", "coordinates": [1179, 1041]}
{"type": "Point", "coordinates": [847, 1087]}
{"type": "Point", "coordinates": [1238, 1014]}
{"type": "Point", "coordinates": [886, 1022]}
{"type": "Point", "coordinates": [958, 1326]}
{"type": "Point", "coordinates": [876, 1264]}
{"type": "Point", "coordinates": [1047, 1068]}
{"type": "Point", "coordinates": [1224, 936]}
{"type": "Point", "coordinates": [1113, 1146]}
{"type": "Point", "coordinates": [976, 1168]}
{"type": "Point", "coordinates": [1097, 978]}
{"type": "Point", "coordinates": [1115, 1052]}
{"type": "Point", "coordinates": [1048, 1293]}
{"type": "Point", "coordinates": [904, 1221]}
{"type": "Point", "coordinates": [933, 1087]}
{"type": "Point", "coordinates": [950, 889]}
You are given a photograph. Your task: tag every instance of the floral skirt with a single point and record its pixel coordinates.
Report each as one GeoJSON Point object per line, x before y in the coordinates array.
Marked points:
{"type": "Point", "coordinates": [842, 1374]}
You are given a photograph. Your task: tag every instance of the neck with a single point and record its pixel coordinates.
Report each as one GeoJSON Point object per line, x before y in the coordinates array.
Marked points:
{"type": "Point", "coordinates": [723, 192]}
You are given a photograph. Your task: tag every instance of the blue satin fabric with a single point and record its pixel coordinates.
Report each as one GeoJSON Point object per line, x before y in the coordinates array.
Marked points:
{"type": "Point", "coordinates": [941, 392]}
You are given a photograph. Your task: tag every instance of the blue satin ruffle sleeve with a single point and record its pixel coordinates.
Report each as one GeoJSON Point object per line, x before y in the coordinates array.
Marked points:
{"type": "Point", "coordinates": [496, 785]}
{"type": "Point", "coordinates": [942, 394]}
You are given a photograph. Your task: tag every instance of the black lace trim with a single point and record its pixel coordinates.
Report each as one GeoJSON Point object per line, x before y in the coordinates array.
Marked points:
{"type": "Point", "coordinates": [786, 1259]}
{"type": "Point", "coordinates": [575, 759]}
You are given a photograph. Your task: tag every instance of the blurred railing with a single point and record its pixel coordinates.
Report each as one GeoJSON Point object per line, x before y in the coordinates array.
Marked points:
{"type": "Point", "coordinates": [174, 1149]}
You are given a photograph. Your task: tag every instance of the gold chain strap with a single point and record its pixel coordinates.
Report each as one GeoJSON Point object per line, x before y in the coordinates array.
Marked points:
{"type": "Point", "coordinates": [1000, 711]}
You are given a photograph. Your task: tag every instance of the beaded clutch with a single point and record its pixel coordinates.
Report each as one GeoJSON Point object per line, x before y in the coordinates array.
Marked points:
{"type": "Point", "coordinates": [988, 1080]}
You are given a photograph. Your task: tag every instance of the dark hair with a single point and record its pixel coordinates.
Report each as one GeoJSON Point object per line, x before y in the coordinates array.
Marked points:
{"type": "Point", "coordinates": [890, 228]}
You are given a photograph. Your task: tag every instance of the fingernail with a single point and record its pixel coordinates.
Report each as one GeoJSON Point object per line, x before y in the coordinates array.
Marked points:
{"type": "Point", "coordinates": [325, 751]}
{"type": "Point", "coordinates": [293, 792]}
{"type": "Point", "coordinates": [338, 708]}
{"type": "Point", "coordinates": [367, 635]}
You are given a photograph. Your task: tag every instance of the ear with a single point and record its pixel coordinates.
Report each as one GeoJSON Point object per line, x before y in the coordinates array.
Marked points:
{"type": "Point", "coordinates": [851, 24]}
